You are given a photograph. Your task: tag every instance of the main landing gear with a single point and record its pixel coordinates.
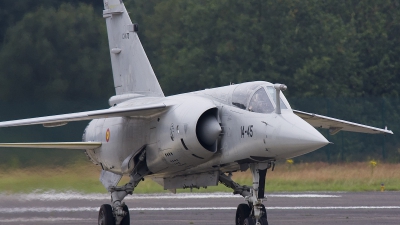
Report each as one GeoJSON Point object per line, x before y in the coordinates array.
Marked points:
{"type": "Point", "coordinates": [252, 213]}
{"type": "Point", "coordinates": [118, 213]}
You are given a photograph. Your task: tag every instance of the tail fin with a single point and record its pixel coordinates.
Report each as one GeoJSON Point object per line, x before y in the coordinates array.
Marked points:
{"type": "Point", "coordinates": [132, 71]}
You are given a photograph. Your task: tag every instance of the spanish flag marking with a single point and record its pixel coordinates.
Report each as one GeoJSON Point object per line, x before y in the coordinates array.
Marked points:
{"type": "Point", "coordinates": [108, 135]}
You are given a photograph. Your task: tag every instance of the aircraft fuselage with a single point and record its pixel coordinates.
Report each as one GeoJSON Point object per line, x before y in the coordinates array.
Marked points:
{"type": "Point", "coordinates": [172, 138]}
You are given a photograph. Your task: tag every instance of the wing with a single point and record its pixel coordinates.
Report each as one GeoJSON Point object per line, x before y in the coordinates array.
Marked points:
{"type": "Point", "coordinates": [60, 120]}
{"type": "Point", "coordinates": [53, 145]}
{"type": "Point", "coordinates": [336, 125]}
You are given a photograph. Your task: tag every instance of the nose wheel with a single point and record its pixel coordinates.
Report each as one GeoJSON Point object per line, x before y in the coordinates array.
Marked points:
{"type": "Point", "coordinates": [244, 215]}
{"type": "Point", "coordinates": [251, 221]}
{"type": "Point", "coordinates": [254, 212]}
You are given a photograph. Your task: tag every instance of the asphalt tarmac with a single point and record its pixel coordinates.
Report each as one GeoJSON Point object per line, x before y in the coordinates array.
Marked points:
{"type": "Point", "coordinates": [217, 208]}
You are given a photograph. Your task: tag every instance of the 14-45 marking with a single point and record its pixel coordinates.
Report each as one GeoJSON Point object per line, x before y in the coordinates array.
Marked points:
{"type": "Point", "coordinates": [249, 131]}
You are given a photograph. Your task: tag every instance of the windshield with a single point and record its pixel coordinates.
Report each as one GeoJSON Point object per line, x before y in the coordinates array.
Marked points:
{"type": "Point", "coordinates": [272, 92]}
{"type": "Point", "coordinates": [242, 93]}
{"type": "Point", "coordinates": [260, 102]}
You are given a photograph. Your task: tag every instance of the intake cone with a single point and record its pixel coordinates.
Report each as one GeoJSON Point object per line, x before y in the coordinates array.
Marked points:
{"type": "Point", "coordinates": [208, 130]}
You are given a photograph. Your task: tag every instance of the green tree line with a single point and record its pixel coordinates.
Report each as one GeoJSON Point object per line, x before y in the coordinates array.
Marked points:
{"type": "Point", "coordinates": [54, 58]}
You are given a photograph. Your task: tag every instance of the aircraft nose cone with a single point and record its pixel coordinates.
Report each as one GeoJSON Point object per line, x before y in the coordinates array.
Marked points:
{"type": "Point", "coordinates": [310, 138]}
{"type": "Point", "coordinates": [300, 137]}
{"type": "Point", "coordinates": [208, 130]}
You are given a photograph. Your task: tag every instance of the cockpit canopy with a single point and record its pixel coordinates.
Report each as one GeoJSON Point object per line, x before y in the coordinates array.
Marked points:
{"type": "Point", "coordinates": [259, 97]}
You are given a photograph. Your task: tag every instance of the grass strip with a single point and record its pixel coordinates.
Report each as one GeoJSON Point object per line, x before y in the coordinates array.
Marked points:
{"type": "Point", "coordinates": [84, 177]}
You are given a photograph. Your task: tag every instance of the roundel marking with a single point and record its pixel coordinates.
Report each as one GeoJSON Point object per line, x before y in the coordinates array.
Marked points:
{"type": "Point", "coordinates": [108, 135]}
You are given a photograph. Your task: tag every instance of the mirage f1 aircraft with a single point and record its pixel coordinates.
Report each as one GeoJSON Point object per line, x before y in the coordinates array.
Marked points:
{"type": "Point", "coordinates": [190, 140]}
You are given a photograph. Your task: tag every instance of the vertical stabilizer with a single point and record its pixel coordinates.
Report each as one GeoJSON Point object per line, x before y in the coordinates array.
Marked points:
{"type": "Point", "coordinates": [132, 71]}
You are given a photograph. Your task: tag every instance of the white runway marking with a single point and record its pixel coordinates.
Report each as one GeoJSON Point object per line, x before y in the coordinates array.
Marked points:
{"type": "Point", "coordinates": [335, 207]}
{"type": "Point", "coordinates": [39, 219]}
{"type": "Point", "coordinates": [95, 209]}
{"type": "Point", "coordinates": [54, 196]}
{"type": "Point", "coordinates": [268, 208]}
{"type": "Point", "coordinates": [303, 196]}
{"type": "Point", "coordinates": [48, 209]}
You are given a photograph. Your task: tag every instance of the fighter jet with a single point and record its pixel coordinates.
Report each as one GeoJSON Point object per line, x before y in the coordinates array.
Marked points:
{"type": "Point", "coordinates": [190, 140]}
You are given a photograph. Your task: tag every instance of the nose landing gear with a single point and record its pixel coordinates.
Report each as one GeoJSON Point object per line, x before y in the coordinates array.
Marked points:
{"type": "Point", "coordinates": [252, 213]}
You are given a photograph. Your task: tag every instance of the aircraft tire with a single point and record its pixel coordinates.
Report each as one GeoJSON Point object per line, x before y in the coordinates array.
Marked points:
{"type": "Point", "coordinates": [126, 220]}
{"type": "Point", "coordinates": [263, 221]}
{"type": "Point", "coordinates": [242, 212]}
{"type": "Point", "coordinates": [106, 216]}
{"type": "Point", "coordinates": [264, 213]}
{"type": "Point", "coordinates": [249, 221]}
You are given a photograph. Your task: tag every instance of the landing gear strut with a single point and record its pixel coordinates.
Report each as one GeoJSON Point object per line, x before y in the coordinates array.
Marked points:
{"type": "Point", "coordinates": [252, 213]}
{"type": "Point", "coordinates": [118, 213]}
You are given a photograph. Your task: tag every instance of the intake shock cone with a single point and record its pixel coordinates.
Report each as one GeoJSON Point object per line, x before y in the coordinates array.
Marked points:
{"type": "Point", "coordinates": [208, 130]}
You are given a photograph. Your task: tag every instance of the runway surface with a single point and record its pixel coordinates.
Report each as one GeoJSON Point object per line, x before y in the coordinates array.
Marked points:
{"type": "Point", "coordinates": [217, 208]}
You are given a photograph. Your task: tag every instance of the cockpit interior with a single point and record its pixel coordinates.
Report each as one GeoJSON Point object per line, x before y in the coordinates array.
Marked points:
{"type": "Point", "coordinates": [258, 97]}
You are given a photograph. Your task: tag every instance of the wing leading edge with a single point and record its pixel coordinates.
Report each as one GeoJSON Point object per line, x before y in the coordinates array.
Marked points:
{"type": "Point", "coordinates": [336, 125]}
{"type": "Point", "coordinates": [60, 120]}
